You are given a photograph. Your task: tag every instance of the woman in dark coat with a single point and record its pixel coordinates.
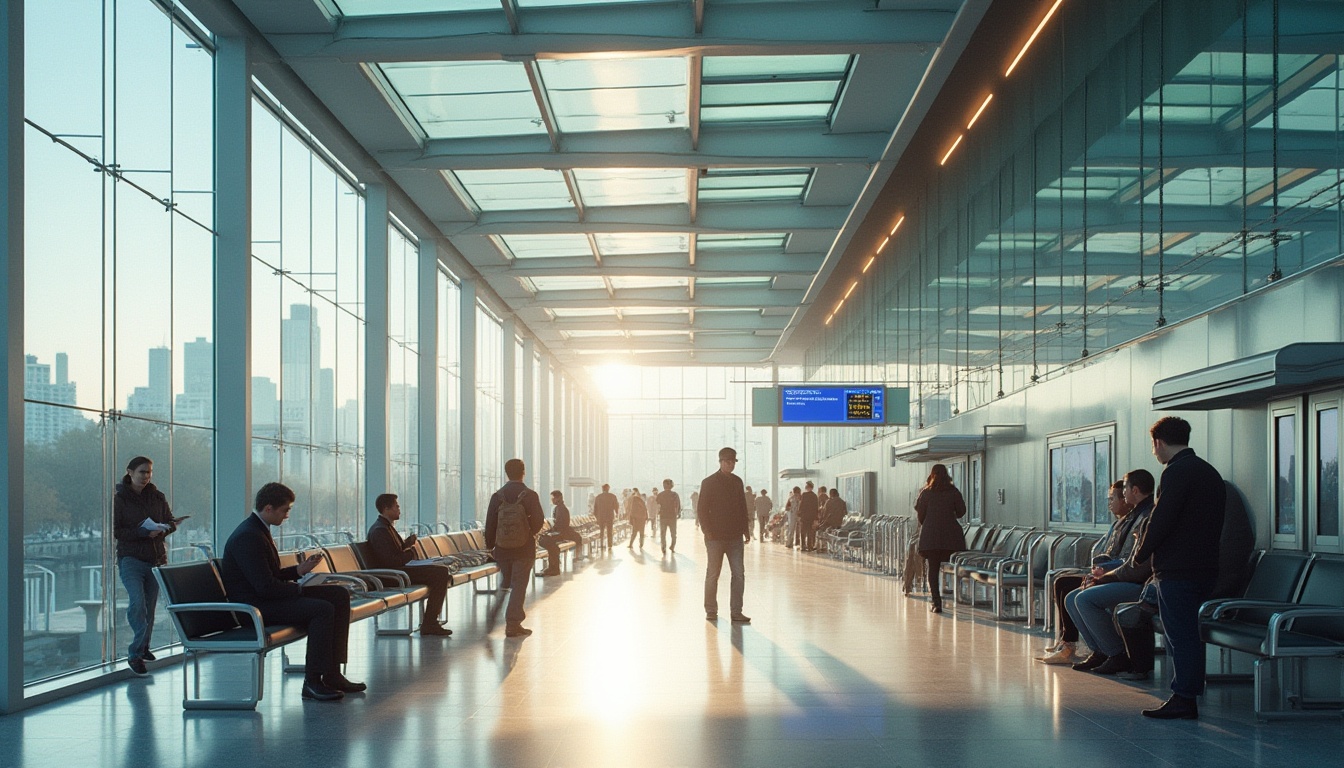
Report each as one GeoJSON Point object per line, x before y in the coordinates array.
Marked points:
{"type": "Point", "coordinates": [939, 506]}
{"type": "Point", "coordinates": [141, 519]}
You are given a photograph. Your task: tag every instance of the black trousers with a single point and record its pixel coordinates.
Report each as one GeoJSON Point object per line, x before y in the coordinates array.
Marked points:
{"type": "Point", "coordinates": [934, 559]}
{"type": "Point", "coordinates": [551, 543]}
{"type": "Point", "coordinates": [606, 530]}
{"type": "Point", "coordinates": [809, 531]}
{"type": "Point", "coordinates": [438, 578]}
{"type": "Point", "coordinates": [324, 610]}
{"type": "Point", "coordinates": [568, 535]}
{"type": "Point", "coordinates": [1068, 631]}
{"type": "Point", "coordinates": [1135, 622]}
{"type": "Point", "coordinates": [637, 531]}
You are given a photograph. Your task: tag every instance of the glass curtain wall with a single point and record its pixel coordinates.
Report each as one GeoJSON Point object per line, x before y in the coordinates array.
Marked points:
{"type": "Point", "coordinates": [307, 330]}
{"type": "Point", "coordinates": [118, 308]}
{"type": "Point", "coordinates": [403, 366]}
{"type": "Point", "coordinates": [1129, 175]}
{"type": "Point", "coordinates": [489, 408]}
{"type": "Point", "coordinates": [449, 399]}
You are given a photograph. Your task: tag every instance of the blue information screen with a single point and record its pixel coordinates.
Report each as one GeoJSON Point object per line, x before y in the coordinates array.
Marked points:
{"type": "Point", "coordinates": [836, 404]}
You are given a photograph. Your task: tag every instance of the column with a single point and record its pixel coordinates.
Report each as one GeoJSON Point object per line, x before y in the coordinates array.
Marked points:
{"type": "Point", "coordinates": [428, 380]}
{"type": "Point", "coordinates": [528, 447]}
{"type": "Point", "coordinates": [11, 384]}
{"type": "Point", "coordinates": [544, 462]}
{"type": "Point", "coordinates": [774, 484]}
{"type": "Point", "coordinates": [508, 424]}
{"type": "Point", "coordinates": [467, 404]}
{"type": "Point", "coordinates": [375, 347]}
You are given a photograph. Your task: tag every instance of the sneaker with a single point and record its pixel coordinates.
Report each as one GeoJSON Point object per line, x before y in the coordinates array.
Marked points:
{"type": "Point", "coordinates": [137, 667]}
{"type": "Point", "coordinates": [516, 630]}
{"type": "Point", "coordinates": [1064, 655]}
{"type": "Point", "coordinates": [149, 656]}
{"type": "Point", "coordinates": [1135, 674]}
{"type": "Point", "coordinates": [740, 619]}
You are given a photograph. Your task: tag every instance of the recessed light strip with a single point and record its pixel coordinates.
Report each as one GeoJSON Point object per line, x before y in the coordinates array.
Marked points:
{"type": "Point", "coordinates": [952, 148]}
{"type": "Point", "coordinates": [1032, 39]}
{"type": "Point", "coordinates": [984, 104]}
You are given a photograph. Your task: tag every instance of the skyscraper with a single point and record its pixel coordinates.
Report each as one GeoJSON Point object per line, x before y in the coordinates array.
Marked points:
{"type": "Point", "coordinates": [43, 423]}
{"type": "Point", "coordinates": [155, 400]}
{"type": "Point", "coordinates": [195, 405]}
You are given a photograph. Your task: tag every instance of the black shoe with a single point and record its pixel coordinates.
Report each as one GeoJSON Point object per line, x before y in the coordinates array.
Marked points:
{"type": "Point", "coordinates": [1091, 662]}
{"type": "Point", "coordinates": [337, 682]}
{"type": "Point", "coordinates": [516, 630]}
{"type": "Point", "coordinates": [936, 608]}
{"type": "Point", "coordinates": [1177, 708]}
{"type": "Point", "coordinates": [741, 619]}
{"type": "Point", "coordinates": [711, 617]}
{"type": "Point", "coordinates": [137, 667]}
{"type": "Point", "coordinates": [550, 572]}
{"type": "Point", "coordinates": [149, 656]}
{"type": "Point", "coordinates": [319, 691]}
{"type": "Point", "coordinates": [434, 628]}
{"type": "Point", "coordinates": [1113, 665]}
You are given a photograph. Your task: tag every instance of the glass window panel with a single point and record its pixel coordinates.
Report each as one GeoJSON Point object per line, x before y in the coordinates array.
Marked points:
{"type": "Point", "coordinates": [547, 246]}
{"type": "Point", "coordinates": [566, 282]}
{"type": "Point", "coordinates": [772, 240]}
{"type": "Point", "coordinates": [1285, 475]}
{"type": "Point", "coordinates": [467, 99]}
{"type": "Point", "coordinates": [583, 312]}
{"type": "Point", "coordinates": [765, 112]}
{"type": "Point", "coordinates": [651, 311]}
{"type": "Point", "coordinates": [1327, 472]}
{"type": "Point", "coordinates": [763, 282]}
{"type": "Point", "coordinates": [627, 243]}
{"type": "Point", "coordinates": [648, 282]}
{"type": "Point", "coordinates": [617, 94]}
{"type": "Point", "coordinates": [387, 7]}
{"type": "Point", "coordinates": [793, 92]}
{"type": "Point", "coordinates": [555, 3]}
{"type": "Point", "coordinates": [631, 186]}
{"type": "Point", "coordinates": [511, 190]}
{"type": "Point", "coordinates": [747, 66]}
{"type": "Point", "coordinates": [1210, 186]}
{"type": "Point", "coordinates": [1101, 486]}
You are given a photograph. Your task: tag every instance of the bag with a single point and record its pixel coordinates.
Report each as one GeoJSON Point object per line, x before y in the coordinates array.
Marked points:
{"type": "Point", "coordinates": [512, 530]}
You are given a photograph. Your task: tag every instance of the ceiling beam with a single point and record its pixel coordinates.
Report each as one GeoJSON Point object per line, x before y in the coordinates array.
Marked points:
{"type": "Point", "coordinates": [702, 341]}
{"type": "Point", "coordinates": [714, 265]}
{"type": "Point", "coordinates": [649, 29]}
{"type": "Point", "coordinates": [712, 218]}
{"type": "Point", "coordinates": [709, 297]}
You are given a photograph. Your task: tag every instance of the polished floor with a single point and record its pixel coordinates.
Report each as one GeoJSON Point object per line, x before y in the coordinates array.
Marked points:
{"type": "Point", "coordinates": [836, 669]}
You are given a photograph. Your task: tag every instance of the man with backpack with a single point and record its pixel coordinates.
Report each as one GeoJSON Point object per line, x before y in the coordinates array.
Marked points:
{"type": "Point", "coordinates": [512, 522]}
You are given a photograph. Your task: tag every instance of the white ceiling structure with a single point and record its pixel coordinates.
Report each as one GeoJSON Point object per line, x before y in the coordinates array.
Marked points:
{"type": "Point", "coordinates": [646, 181]}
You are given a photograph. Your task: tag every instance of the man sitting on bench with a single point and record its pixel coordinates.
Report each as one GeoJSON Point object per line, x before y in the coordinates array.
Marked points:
{"type": "Point", "coordinates": [388, 550]}
{"type": "Point", "coordinates": [252, 574]}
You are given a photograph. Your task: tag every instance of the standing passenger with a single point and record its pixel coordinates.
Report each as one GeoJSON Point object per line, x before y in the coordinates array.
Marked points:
{"type": "Point", "coordinates": [669, 509]}
{"type": "Point", "coordinates": [939, 506]}
{"type": "Point", "coordinates": [512, 522]}
{"type": "Point", "coordinates": [1182, 538]}
{"type": "Point", "coordinates": [638, 517]}
{"type": "Point", "coordinates": [791, 515]}
{"type": "Point", "coordinates": [141, 520]}
{"type": "Point", "coordinates": [807, 519]}
{"type": "Point", "coordinates": [605, 507]}
{"type": "Point", "coordinates": [763, 505]}
{"type": "Point", "coordinates": [727, 527]}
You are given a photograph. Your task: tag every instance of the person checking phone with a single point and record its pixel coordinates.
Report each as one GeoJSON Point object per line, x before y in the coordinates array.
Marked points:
{"type": "Point", "coordinates": [141, 521]}
{"type": "Point", "coordinates": [252, 574]}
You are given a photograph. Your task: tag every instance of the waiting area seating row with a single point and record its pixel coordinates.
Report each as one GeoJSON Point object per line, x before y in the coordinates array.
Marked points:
{"type": "Point", "coordinates": [208, 622]}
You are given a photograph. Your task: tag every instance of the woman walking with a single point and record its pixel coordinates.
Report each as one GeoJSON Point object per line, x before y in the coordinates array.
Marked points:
{"type": "Point", "coordinates": [141, 520]}
{"type": "Point", "coordinates": [939, 507]}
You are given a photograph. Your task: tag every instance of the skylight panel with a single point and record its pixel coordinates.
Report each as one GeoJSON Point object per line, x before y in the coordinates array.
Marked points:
{"type": "Point", "coordinates": [513, 190]}
{"type": "Point", "coordinates": [555, 3]}
{"type": "Point", "coordinates": [583, 312]}
{"type": "Point", "coordinates": [631, 186]}
{"type": "Point", "coordinates": [770, 88]}
{"type": "Point", "coordinates": [547, 246]}
{"type": "Point", "coordinates": [649, 312]}
{"type": "Point", "coordinates": [455, 100]}
{"type": "Point", "coordinates": [743, 184]}
{"type": "Point", "coordinates": [772, 240]}
{"type": "Point", "coordinates": [762, 282]}
{"type": "Point", "coordinates": [632, 243]}
{"type": "Point", "coordinates": [649, 282]}
{"type": "Point", "coordinates": [567, 283]}
{"type": "Point", "coordinates": [390, 7]}
{"type": "Point", "coordinates": [1210, 186]}
{"type": "Point", "coordinates": [616, 94]}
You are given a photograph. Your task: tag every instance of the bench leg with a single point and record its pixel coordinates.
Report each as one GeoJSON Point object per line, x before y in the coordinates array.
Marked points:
{"type": "Point", "coordinates": [257, 678]}
{"type": "Point", "coordinates": [380, 631]}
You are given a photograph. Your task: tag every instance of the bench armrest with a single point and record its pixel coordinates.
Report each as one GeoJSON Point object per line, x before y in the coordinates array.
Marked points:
{"type": "Point", "coordinates": [384, 575]}
{"type": "Point", "coordinates": [1213, 610]}
{"type": "Point", "coordinates": [1283, 622]}
{"type": "Point", "coordinates": [251, 611]}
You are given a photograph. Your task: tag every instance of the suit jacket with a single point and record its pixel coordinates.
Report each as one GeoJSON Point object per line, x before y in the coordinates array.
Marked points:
{"type": "Point", "coordinates": [386, 547]}
{"type": "Point", "coordinates": [807, 507]}
{"type": "Point", "coordinates": [723, 508]}
{"type": "Point", "coordinates": [605, 506]}
{"type": "Point", "coordinates": [251, 568]}
{"type": "Point", "coordinates": [1186, 524]}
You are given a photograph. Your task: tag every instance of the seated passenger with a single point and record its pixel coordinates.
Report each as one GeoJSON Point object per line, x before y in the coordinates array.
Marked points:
{"type": "Point", "coordinates": [562, 529]}
{"type": "Point", "coordinates": [251, 572]}
{"type": "Point", "coordinates": [388, 550]}
{"type": "Point", "coordinates": [1091, 606]}
{"type": "Point", "coordinates": [1065, 648]}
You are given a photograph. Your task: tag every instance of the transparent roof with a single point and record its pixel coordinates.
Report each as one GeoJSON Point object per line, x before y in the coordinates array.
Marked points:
{"type": "Point", "coordinates": [616, 94]}
{"type": "Point", "coordinates": [770, 88]}
{"type": "Point", "coordinates": [1208, 90]}
{"type": "Point", "coordinates": [649, 282]}
{"type": "Point", "coordinates": [553, 3]}
{"type": "Point", "coordinates": [631, 186]}
{"type": "Point", "coordinates": [738, 184]}
{"type": "Point", "coordinates": [594, 334]}
{"type": "Point", "coordinates": [583, 312]}
{"type": "Point", "coordinates": [546, 246]}
{"type": "Point", "coordinates": [738, 242]}
{"type": "Point", "coordinates": [513, 190]}
{"type": "Point", "coordinates": [633, 243]}
{"type": "Point", "coordinates": [758, 281]}
{"type": "Point", "coordinates": [1319, 108]}
{"type": "Point", "coordinates": [385, 7]}
{"type": "Point", "coordinates": [1320, 190]}
{"type": "Point", "coordinates": [1210, 186]}
{"type": "Point", "coordinates": [566, 283]}
{"type": "Point", "coordinates": [464, 99]}
{"type": "Point", "coordinates": [654, 311]}
{"type": "Point", "coordinates": [1119, 242]}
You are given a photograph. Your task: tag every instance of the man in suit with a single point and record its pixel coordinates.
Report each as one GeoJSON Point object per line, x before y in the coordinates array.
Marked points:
{"type": "Point", "coordinates": [807, 519]}
{"type": "Point", "coordinates": [388, 550]}
{"type": "Point", "coordinates": [252, 574]}
{"type": "Point", "coordinates": [727, 528]}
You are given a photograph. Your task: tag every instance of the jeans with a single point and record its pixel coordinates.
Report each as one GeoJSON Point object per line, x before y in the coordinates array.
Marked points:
{"type": "Point", "coordinates": [1091, 611]}
{"type": "Point", "coordinates": [1178, 601]}
{"type": "Point", "coordinates": [143, 591]}
{"type": "Point", "coordinates": [715, 550]}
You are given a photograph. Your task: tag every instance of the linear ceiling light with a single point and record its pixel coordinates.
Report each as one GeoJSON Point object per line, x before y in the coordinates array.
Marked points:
{"type": "Point", "coordinates": [899, 222]}
{"type": "Point", "coordinates": [883, 244]}
{"type": "Point", "coordinates": [1032, 39]}
{"type": "Point", "coordinates": [952, 149]}
{"type": "Point", "coordinates": [871, 259]}
{"type": "Point", "coordinates": [978, 111]}
{"type": "Point", "coordinates": [838, 305]}
{"type": "Point", "coordinates": [852, 286]}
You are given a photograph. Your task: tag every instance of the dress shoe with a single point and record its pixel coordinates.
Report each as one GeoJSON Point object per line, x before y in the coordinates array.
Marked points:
{"type": "Point", "coordinates": [1134, 674]}
{"type": "Point", "coordinates": [740, 619]}
{"type": "Point", "coordinates": [1114, 665]}
{"type": "Point", "coordinates": [336, 681]}
{"type": "Point", "coordinates": [550, 572]}
{"type": "Point", "coordinates": [434, 628]}
{"type": "Point", "coordinates": [516, 630]}
{"type": "Point", "coordinates": [1177, 707]}
{"type": "Point", "coordinates": [937, 608]}
{"type": "Point", "coordinates": [1092, 662]}
{"type": "Point", "coordinates": [1064, 654]}
{"type": "Point", "coordinates": [319, 691]}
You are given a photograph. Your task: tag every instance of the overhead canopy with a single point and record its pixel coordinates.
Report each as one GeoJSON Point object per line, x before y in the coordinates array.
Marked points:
{"type": "Point", "coordinates": [938, 447]}
{"type": "Point", "coordinates": [1254, 380]}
